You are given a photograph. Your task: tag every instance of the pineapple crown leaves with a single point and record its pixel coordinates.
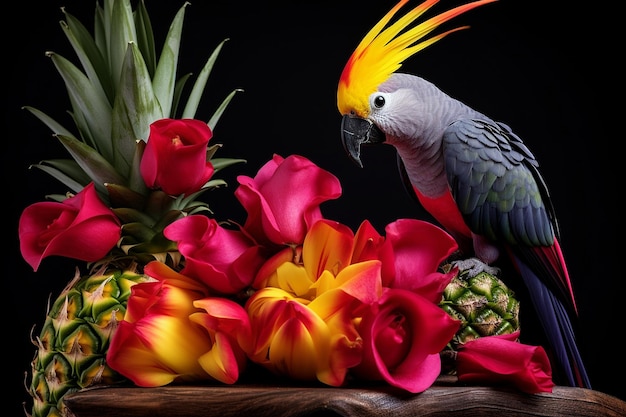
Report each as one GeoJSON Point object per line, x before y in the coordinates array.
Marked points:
{"type": "Point", "coordinates": [121, 87]}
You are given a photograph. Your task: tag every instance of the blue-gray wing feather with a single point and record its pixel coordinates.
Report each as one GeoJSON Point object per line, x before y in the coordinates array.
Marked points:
{"type": "Point", "coordinates": [495, 181]}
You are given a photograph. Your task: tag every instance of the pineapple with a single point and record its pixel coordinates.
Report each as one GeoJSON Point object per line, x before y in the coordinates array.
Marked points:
{"type": "Point", "coordinates": [484, 305]}
{"type": "Point", "coordinates": [122, 88]}
{"type": "Point", "coordinates": [72, 345]}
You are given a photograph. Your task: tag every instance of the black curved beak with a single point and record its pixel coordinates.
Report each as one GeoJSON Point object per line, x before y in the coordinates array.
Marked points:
{"type": "Point", "coordinates": [355, 132]}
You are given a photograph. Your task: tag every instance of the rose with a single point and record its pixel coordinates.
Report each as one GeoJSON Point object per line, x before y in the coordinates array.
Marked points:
{"type": "Point", "coordinates": [498, 359]}
{"type": "Point", "coordinates": [80, 227]}
{"type": "Point", "coordinates": [283, 199]}
{"type": "Point", "coordinates": [403, 334]}
{"type": "Point", "coordinates": [225, 260]}
{"type": "Point", "coordinates": [175, 158]}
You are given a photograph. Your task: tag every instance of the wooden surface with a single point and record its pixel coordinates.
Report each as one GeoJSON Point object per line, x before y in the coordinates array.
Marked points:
{"type": "Point", "coordinates": [444, 398]}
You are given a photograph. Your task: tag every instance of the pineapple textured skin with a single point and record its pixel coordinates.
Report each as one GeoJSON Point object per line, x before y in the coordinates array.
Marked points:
{"type": "Point", "coordinates": [72, 345]}
{"type": "Point", "coordinates": [484, 305]}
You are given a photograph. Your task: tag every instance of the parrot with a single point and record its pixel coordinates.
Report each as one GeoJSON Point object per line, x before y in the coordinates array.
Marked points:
{"type": "Point", "coordinates": [472, 174]}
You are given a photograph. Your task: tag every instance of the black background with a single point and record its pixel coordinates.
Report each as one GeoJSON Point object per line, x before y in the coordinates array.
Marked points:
{"type": "Point", "coordinates": [543, 72]}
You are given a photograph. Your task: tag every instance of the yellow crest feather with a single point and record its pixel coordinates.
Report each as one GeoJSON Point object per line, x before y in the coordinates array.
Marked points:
{"type": "Point", "coordinates": [382, 52]}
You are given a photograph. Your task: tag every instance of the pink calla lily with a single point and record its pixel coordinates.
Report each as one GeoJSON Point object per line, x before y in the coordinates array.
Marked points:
{"type": "Point", "coordinates": [503, 359]}
{"type": "Point", "coordinates": [283, 199]}
{"type": "Point", "coordinates": [68, 228]}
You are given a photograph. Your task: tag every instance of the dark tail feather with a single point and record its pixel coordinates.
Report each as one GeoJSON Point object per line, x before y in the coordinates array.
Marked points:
{"type": "Point", "coordinates": [557, 326]}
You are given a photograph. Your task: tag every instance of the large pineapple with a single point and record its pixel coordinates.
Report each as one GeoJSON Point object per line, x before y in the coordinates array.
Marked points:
{"type": "Point", "coordinates": [484, 305]}
{"type": "Point", "coordinates": [122, 88]}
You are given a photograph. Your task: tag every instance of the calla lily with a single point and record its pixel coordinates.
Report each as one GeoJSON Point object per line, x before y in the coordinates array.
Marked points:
{"type": "Point", "coordinates": [68, 228]}
{"type": "Point", "coordinates": [419, 247]}
{"type": "Point", "coordinates": [283, 199]}
{"type": "Point", "coordinates": [223, 259]}
{"type": "Point", "coordinates": [503, 359]}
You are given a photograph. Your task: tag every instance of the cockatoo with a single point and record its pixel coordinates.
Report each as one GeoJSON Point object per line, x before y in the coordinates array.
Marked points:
{"type": "Point", "coordinates": [474, 175]}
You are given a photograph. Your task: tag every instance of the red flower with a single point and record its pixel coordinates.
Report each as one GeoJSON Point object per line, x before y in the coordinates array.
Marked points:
{"type": "Point", "coordinates": [283, 199]}
{"type": "Point", "coordinates": [403, 334]}
{"type": "Point", "coordinates": [175, 158]}
{"type": "Point", "coordinates": [81, 227]}
{"type": "Point", "coordinates": [498, 359]}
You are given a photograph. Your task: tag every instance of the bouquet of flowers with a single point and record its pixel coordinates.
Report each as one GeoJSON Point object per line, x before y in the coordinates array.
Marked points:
{"type": "Point", "coordinates": [165, 292]}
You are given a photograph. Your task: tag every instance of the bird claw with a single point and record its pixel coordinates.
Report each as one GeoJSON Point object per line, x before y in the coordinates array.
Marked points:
{"type": "Point", "coordinates": [474, 266]}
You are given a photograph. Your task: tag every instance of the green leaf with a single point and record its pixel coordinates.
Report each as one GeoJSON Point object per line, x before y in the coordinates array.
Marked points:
{"type": "Point", "coordinates": [135, 180]}
{"type": "Point", "coordinates": [58, 174]}
{"type": "Point", "coordinates": [56, 128]}
{"type": "Point", "coordinates": [135, 108]}
{"type": "Point", "coordinates": [95, 111]}
{"type": "Point", "coordinates": [221, 163]}
{"type": "Point", "coordinates": [121, 196]}
{"type": "Point", "coordinates": [165, 76]}
{"type": "Point", "coordinates": [218, 113]}
{"type": "Point", "coordinates": [97, 167]}
{"type": "Point", "coordinates": [138, 230]}
{"type": "Point", "coordinates": [130, 215]}
{"type": "Point", "coordinates": [70, 168]}
{"type": "Point", "coordinates": [178, 92]}
{"type": "Point", "coordinates": [145, 37]}
{"type": "Point", "coordinates": [198, 88]}
{"type": "Point", "coordinates": [122, 32]}
{"type": "Point", "coordinates": [89, 55]}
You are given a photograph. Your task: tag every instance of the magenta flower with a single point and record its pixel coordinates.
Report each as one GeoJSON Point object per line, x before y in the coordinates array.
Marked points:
{"type": "Point", "coordinates": [503, 359]}
{"type": "Point", "coordinates": [175, 158]}
{"type": "Point", "coordinates": [419, 247]}
{"type": "Point", "coordinates": [283, 199]}
{"type": "Point", "coordinates": [81, 227]}
{"type": "Point", "coordinates": [224, 260]}
{"type": "Point", "coordinates": [403, 334]}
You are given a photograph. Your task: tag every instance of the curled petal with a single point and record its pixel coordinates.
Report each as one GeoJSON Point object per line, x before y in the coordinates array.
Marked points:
{"type": "Point", "coordinates": [159, 349]}
{"type": "Point", "coordinates": [225, 260]}
{"type": "Point", "coordinates": [502, 359]}
{"type": "Point", "coordinates": [327, 246]}
{"type": "Point", "coordinates": [419, 248]}
{"type": "Point", "coordinates": [283, 199]}
{"type": "Point", "coordinates": [81, 227]}
{"type": "Point", "coordinates": [402, 337]}
{"type": "Point", "coordinates": [227, 324]}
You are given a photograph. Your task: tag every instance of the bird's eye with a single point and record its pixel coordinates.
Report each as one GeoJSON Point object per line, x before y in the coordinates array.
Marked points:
{"type": "Point", "coordinates": [379, 101]}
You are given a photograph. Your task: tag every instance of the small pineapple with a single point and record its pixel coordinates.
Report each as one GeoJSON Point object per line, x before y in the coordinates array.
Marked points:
{"type": "Point", "coordinates": [484, 305]}
{"type": "Point", "coordinates": [122, 88]}
{"type": "Point", "coordinates": [72, 345]}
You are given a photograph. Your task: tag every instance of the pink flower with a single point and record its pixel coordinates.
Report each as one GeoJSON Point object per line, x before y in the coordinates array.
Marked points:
{"type": "Point", "coordinates": [224, 260]}
{"type": "Point", "coordinates": [283, 199]}
{"type": "Point", "coordinates": [502, 359]}
{"type": "Point", "coordinates": [81, 227]}
{"type": "Point", "coordinates": [175, 158]}
{"type": "Point", "coordinates": [419, 247]}
{"type": "Point", "coordinates": [403, 334]}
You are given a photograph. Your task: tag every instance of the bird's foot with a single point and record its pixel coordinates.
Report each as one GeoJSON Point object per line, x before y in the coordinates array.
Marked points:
{"type": "Point", "coordinates": [474, 266]}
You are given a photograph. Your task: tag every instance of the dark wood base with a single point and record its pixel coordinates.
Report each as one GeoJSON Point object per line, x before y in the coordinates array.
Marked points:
{"type": "Point", "coordinates": [445, 398]}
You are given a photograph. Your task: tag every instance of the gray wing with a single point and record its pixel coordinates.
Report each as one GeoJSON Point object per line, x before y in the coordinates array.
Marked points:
{"type": "Point", "coordinates": [495, 182]}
